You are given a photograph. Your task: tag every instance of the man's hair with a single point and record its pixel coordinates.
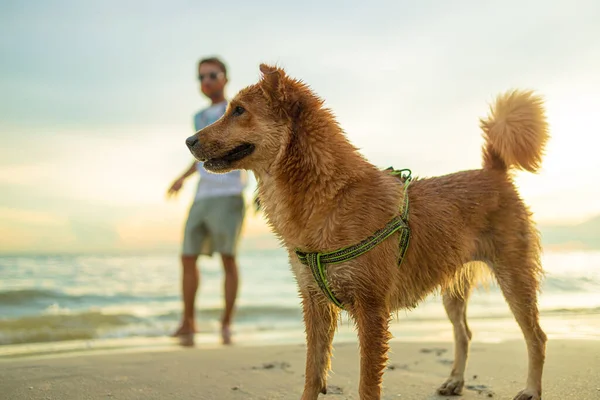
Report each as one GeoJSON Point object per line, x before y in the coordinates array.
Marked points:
{"type": "Point", "coordinates": [215, 61]}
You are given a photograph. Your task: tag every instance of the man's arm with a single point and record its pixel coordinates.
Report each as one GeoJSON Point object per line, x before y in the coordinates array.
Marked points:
{"type": "Point", "coordinates": [190, 171]}
{"type": "Point", "coordinates": [178, 183]}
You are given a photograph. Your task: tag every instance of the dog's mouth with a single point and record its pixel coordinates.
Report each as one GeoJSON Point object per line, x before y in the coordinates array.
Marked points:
{"type": "Point", "coordinates": [225, 161]}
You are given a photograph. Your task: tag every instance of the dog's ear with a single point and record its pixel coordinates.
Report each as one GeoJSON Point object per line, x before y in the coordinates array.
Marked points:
{"type": "Point", "coordinates": [280, 90]}
{"type": "Point", "coordinates": [271, 77]}
{"type": "Point", "coordinates": [272, 83]}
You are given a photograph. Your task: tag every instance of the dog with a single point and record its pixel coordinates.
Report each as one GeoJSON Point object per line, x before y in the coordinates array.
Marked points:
{"type": "Point", "coordinates": [319, 194]}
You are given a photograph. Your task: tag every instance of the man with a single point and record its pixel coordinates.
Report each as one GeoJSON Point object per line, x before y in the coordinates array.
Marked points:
{"type": "Point", "coordinates": [216, 216]}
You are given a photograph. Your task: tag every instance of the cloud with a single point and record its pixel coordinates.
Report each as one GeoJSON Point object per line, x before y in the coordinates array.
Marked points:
{"type": "Point", "coordinates": [94, 119]}
{"type": "Point", "coordinates": [93, 234]}
{"type": "Point", "coordinates": [30, 230]}
{"type": "Point", "coordinates": [143, 68]}
{"type": "Point", "coordinates": [10, 216]}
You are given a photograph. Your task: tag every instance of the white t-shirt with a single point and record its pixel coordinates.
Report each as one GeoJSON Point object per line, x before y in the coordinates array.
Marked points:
{"type": "Point", "coordinates": [211, 184]}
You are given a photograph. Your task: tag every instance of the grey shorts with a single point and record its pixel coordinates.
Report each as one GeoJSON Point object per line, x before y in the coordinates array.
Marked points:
{"type": "Point", "coordinates": [214, 225]}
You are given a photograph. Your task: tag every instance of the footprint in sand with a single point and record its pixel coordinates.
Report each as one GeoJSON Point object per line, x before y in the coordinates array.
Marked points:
{"type": "Point", "coordinates": [332, 389]}
{"type": "Point", "coordinates": [438, 351]}
{"type": "Point", "coordinates": [480, 389]}
{"type": "Point", "coordinates": [393, 367]}
{"type": "Point", "coordinates": [274, 365]}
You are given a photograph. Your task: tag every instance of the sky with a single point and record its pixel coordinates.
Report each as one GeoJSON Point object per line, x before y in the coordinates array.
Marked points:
{"type": "Point", "coordinates": [97, 98]}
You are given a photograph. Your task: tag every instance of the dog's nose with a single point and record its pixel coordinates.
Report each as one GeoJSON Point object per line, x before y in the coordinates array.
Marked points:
{"type": "Point", "coordinates": [191, 141]}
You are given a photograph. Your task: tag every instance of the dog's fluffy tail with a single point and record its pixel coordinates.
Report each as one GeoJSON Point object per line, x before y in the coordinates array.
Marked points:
{"type": "Point", "coordinates": [515, 132]}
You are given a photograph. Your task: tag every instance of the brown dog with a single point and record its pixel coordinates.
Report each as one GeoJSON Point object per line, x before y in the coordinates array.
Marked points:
{"type": "Point", "coordinates": [319, 195]}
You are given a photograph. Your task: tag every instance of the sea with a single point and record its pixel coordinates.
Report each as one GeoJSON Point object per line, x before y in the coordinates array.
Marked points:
{"type": "Point", "coordinates": [58, 302]}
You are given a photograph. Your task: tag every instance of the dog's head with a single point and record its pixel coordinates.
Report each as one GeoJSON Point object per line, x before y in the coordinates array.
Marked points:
{"type": "Point", "coordinates": [255, 127]}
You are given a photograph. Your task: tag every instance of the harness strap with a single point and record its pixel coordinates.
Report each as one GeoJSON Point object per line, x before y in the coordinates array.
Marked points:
{"type": "Point", "coordinates": [315, 260]}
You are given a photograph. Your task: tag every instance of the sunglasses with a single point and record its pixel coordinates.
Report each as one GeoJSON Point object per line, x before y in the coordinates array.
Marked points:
{"type": "Point", "coordinates": [212, 75]}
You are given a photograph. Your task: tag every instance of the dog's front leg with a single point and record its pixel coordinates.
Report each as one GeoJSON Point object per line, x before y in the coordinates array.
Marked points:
{"type": "Point", "coordinates": [372, 319]}
{"type": "Point", "coordinates": [320, 318]}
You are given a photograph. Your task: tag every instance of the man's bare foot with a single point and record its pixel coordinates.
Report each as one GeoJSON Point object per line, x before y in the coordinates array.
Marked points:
{"type": "Point", "coordinates": [226, 334]}
{"type": "Point", "coordinates": [186, 339]}
{"type": "Point", "coordinates": [184, 330]}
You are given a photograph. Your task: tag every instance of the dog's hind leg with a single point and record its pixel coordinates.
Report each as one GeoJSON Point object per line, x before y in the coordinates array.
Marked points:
{"type": "Point", "coordinates": [456, 308]}
{"type": "Point", "coordinates": [519, 283]}
{"type": "Point", "coordinates": [320, 319]}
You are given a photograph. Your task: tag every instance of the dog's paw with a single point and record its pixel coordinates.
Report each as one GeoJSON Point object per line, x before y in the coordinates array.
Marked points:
{"type": "Point", "coordinates": [452, 387]}
{"type": "Point", "coordinates": [312, 392]}
{"type": "Point", "coordinates": [528, 394]}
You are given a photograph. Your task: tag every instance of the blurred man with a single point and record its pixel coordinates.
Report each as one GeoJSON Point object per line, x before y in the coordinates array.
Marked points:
{"type": "Point", "coordinates": [217, 213]}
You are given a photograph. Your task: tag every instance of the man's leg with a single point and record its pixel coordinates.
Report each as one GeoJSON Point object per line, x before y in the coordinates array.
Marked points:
{"type": "Point", "coordinates": [231, 289]}
{"type": "Point", "coordinates": [194, 238]}
{"type": "Point", "coordinates": [189, 286]}
{"type": "Point", "coordinates": [225, 224]}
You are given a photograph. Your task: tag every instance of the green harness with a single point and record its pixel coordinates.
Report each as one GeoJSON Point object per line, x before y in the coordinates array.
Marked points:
{"type": "Point", "coordinates": [317, 260]}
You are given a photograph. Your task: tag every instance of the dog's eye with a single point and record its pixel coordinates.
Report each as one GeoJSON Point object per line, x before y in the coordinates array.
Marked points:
{"type": "Point", "coordinates": [237, 111]}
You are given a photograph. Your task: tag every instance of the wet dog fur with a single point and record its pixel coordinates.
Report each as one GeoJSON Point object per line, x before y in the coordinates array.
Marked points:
{"type": "Point", "coordinates": [319, 193]}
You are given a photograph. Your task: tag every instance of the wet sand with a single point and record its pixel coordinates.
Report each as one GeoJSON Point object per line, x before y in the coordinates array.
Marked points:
{"type": "Point", "coordinates": [276, 372]}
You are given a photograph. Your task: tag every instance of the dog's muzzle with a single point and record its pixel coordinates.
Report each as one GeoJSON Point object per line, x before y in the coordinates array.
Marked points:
{"type": "Point", "coordinates": [191, 141]}
{"type": "Point", "coordinates": [191, 144]}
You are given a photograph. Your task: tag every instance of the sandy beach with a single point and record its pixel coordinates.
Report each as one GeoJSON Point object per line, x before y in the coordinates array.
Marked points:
{"type": "Point", "coordinates": [276, 372]}
{"type": "Point", "coordinates": [81, 343]}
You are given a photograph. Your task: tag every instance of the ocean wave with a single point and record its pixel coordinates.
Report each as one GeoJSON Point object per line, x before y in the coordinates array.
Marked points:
{"type": "Point", "coordinates": [552, 284]}
{"type": "Point", "coordinates": [27, 297]}
{"type": "Point", "coordinates": [101, 324]}
{"type": "Point", "coordinates": [258, 318]}
{"type": "Point", "coordinates": [561, 283]}
{"type": "Point", "coordinates": [47, 328]}
{"type": "Point", "coordinates": [19, 297]}
{"type": "Point", "coordinates": [247, 313]}
{"type": "Point", "coordinates": [571, 311]}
